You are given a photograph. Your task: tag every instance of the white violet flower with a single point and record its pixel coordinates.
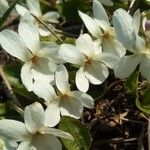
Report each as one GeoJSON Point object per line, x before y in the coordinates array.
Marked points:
{"type": "Point", "coordinates": [33, 134]}
{"type": "Point", "coordinates": [34, 8]}
{"type": "Point", "coordinates": [101, 29]}
{"type": "Point", "coordinates": [88, 57]}
{"type": "Point", "coordinates": [129, 28]}
{"type": "Point", "coordinates": [65, 102]}
{"type": "Point", "coordinates": [37, 57]}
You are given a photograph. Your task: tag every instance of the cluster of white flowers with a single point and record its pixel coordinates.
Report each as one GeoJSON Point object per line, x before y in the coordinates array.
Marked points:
{"type": "Point", "coordinates": [45, 74]}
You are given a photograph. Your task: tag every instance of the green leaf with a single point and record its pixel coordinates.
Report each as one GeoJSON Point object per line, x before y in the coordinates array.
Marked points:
{"type": "Point", "coordinates": [69, 9]}
{"type": "Point", "coordinates": [143, 101]}
{"type": "Point", "coordinates": [7, 13]}
{"type": "Point", "coordinates": [2, 109]}
{"type": "Point", "coordinates": [81, 135]}
{"type": "Point", "coordinates": [131, 83]}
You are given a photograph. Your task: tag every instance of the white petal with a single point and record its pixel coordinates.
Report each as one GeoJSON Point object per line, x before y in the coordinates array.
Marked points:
{"type": "Point", "coordinates": [26, 76]}
{"type": "Point", "coordinates": [14, 45]}
{"type": "Point", "coordinates": [100, 13]}
{"type": "Point", "coordinates": [85, 99]}
{"type": "Point", "coordinates": [85, 44]}
{"type": "Point", "coordinates": [34, 7]}
{"type": "Point", "coordinates": [45, 66]}
{"type": "Point", "coordinates": [59, 133]}
{"type": "Point", "coordinates": [43, 31]}
{"type": "Point", "coordinates": [71, 107]}
{"type": "Point", "coordinates": [25, 145]}
{"type": "Point", "coordinates": [52, 114]}
{"type": "Point", "coordinates": [71, 54]}
{"type": "Point", "coordinates": [96, 72]}
{"type": "Point", "coordinates": [144, 68]}
{"type": "Point", "coordinates": [37, 76]}
{"type": "Point", "coordinates": [113, 46]}
{"type": "Point", "coordinates": [91, 25]}
{"type": "Point", "coordinates": [44, 90]}
{"type": "Point", "coordinates": [51, 16]}
{"type": "Point", "coordinates": [139, 45]}
{"type": "Point", "coordinates": [108, 59]}
{"type": "Point", "coordinates": [126, 66]}
{"type": "Point", "coordinates": [81, 81]}
{"type": "Point", "coordinates": [21, 10]}
{"type": "Point", "coordinates": [106, 2]}
{"type": "Point", "coordinates": [136, 21]}
{"type": "Point", "coordinates": [34, 117]}
{"type": "Point", "coordinates": [46, 142]}
{"type": "Point", "coordinates": [51, 50]}
{"type": "Point", "coordinates": [29, 33]}
{"type": "Point", "coordinates": [61, 77]}
{"type": "Point", "coordinates": [13, 130]}
{"type": "Point", "coordinates": [3, 7]}
{"type": "Point", "coordinates": [122, 23]}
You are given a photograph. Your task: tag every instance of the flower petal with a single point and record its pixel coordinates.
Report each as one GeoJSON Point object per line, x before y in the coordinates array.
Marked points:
{"type": "Point", "coordinates": [45, 66]}
{"type": "Point", "coordinates": [21, 10]}
{"type": "Point", "coordinates": [13, 130]}
{"type": "Point", "coordinates": [50, 51]}
{"type": "Point", "coordinates": [113, 46]}
{"type": "Point", "coordinates": [136, 21]}
{"type": "Point", "coordinates": [14, 45]}
{"type": "Point", "coordinates": [26, 76]}
{"type": "Point", "coordinates": [71, 54]}
{"type": "Point", "coordinates": [61, 77]}
{"type": "Point", "coordinates": [85, 99]}
{"type": "Point", "coordinates": [52, 114]}
{"type": "Point", "coordinates": [44, 90]}
{"type": "Point", "coordinates": [85, 44]}
{"type": "Point", "coordinates": [144, 68]}
{"type": "Point", "coordinates": [34, 7]}
{"type": "Point", "coordinates": [91, 25]}
{"type": "Point", "coordinates": [71, 107]}
{"type": "Point", "coordinates": [81, 81]}
{"type": "Point", "coordinates": [46, 142]}
{"type": "Point", "coordinates": [122, 23]}
{"type": "Point", "coordinates": [29, 33]}
{"type": "Point", "coordinates": [37, 76]}
{"type": "Point", "coordinates": [100, 13]}
{"type": "Point", "coordinates": [108, 59]}
{"type": "Point", "coordinates": [34, 117]}
{"type": "Point", "coordinates": [51, 17]}
{"type": "Point", "coordinates": [58, 133]}
{"type": "Point", "coordinates": [126, 66]}
{"type": "Point", "coordinates": [43, 31]}
{"type": "Point", "coordinates": [96, 72]}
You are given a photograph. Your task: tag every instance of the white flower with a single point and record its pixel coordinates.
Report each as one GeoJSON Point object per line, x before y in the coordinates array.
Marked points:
{"type": "Point", "coordinates": [38, 57]}
{"type": "Point", "coordinates": [87, 55]}
{"type": "Point", "coordinates": [100, 28]}
{"type": "Point", "coordinates": [127, 29]}
{"type": "Point", "coordinates": [34, 8]}
{"type": "Point", "coordinates": [33, 134]}
{"type": "Point", "coordinates": [65, 102]}
{"type": "Point", "coordinates": [3, 7]}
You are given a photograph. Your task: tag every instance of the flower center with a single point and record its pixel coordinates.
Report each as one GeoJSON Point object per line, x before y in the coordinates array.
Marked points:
{"type": "Point", "coordinates": [88, 60]}
{"type": "Point", "coordinates": [106, 35]}
{"type": "Point", "coordinates": [35, 59]}
{"type": "Point", "coordinates": [64, 97]}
